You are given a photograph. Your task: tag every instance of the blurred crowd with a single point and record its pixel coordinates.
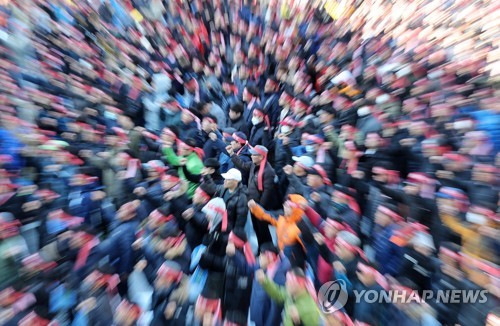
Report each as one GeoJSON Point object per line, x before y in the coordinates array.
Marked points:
{"type": "Point", "coordinates": [216, 162]}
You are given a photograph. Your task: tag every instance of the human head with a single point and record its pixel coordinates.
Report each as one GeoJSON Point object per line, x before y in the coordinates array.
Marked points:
{"type": "Point", "coordinates": [366, 273]}
{"type": "Point", "coordinates": [347, 245]}
{"type": "Point", "coordinates": [295, 281]}
{"type": "Point", "coordinates": [258, 153]}
{"type": "Point", "coordinates": [236, 111]}
{"type": "Point", "coordinates": [387, 214]}
{"type": "Point", "coordinates": [127, 313]}
{"type": "Point", "coordinates": [128, 211]}
{"type": "Point", "coordinates": [271, 85]}
{"type": "Point", "coordinates": [201, 196]}
{"type": "Point", "coordinates": [209, 123]}
{"type": "Point", "coordinates": [187, 147]}
{"type": "Point", "coordinates": [170, 180]}
{"type": "Point", "coordinates": [268, 255]}
{"type": "Point", "coordinates": [232, 179]}
{"type": "Point", "coordinates": [302, 165]}
{"type": "Point", "coordinates": [238, 140]}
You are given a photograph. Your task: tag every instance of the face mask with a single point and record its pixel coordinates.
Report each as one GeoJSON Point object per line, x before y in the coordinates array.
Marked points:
{"type": "Point", "coordinates": [255, 121]}
{"type": "Point", "coordinates": [168, 111]}
{"type": "Point", "coordinates": [384, 98]}
{"type": "Point", "coordinates": [475, 218]}
{"type": "Point", "coordinates": [285, 129]}
{"type": "Point", "coordinates": [362, 111]}
{"type": "Point", "coordinates": [310, 148]}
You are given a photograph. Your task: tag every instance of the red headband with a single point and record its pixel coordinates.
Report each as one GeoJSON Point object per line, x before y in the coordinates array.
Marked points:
{"type": "Point", "coordinates": [294, 279]}
{"type": "Point", "coordinates": [453, 193]}
{"type": "Point", "coordinates": [322, 173]}
{"type": "Point", "coordinates": [171, 178]}
{"type": "Point", "coordinates": [416, 177]}
{"type": "Point", "coordinates": [210, 305]}
{"type": "Point", "coordinates": [169, 273]}
{"type": "Point", "coordinates": [485, 211]}
{"type": "Point", "coordinates": [238, 139]}
{"type": "Point", "coordinates": [159, 217]}
{"type": "Point", "coordinates": [354, 249]}
{"type": "Point", "coordinates": [202, 194]}
{"type": "Point", "coordinates": [395, 216]}
{"type": "Point", "coordinates": [209, 119]}
{"type": "Point", "coordinates": [223, 212]}
{"type": "Point", "coordinates": [379, 278]}
{"type": "Point", "coordinates": [487, 267]}
{"type": "Point", "coordinates": [353, 204]}
{"type": "Point", "coordinates": [316, 139]}
{"type": "Point", "coordinates": [392, 175]}
{"type": "Point", "coordinates": [450, 253]}
{"type": "Point", "coordinates": [486, 168]}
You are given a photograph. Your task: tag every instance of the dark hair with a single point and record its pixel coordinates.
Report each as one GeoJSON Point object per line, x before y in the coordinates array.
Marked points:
{"type": "Point", "coordinates": [214, 118]}
{"type": "Point", "coordinates": [237, 108]}
{"type": "Point", "coordinates": [253, 90]}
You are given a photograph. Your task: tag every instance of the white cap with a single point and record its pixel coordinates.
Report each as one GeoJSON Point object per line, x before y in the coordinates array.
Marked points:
{"type": "Point", "coordinates": [232, 174]}
{"type": "Point", "coordinates": [306, 161]}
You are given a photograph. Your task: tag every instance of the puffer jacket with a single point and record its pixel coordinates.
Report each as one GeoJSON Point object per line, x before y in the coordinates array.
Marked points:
{"type": "Point", "coordinates": [236, 203]}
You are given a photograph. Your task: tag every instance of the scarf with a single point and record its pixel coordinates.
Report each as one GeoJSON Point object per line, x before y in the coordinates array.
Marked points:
{"type": "Point", "coordinates": [262, 167]}
{"type": "Point", "coordinates": [84, 253]}
{"type": "Point", "coordinates": [247, 249]}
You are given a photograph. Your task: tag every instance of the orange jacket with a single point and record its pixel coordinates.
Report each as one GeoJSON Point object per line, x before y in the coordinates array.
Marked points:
{"type": "Point", "coordinates": [472, 240]}
{"type": "Point", "coordinates": [286, 226]}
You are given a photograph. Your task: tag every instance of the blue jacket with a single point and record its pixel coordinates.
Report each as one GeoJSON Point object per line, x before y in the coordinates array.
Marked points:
{"type": "Point", "coordinates": [387, 254]}
{"type": "Point", "coordinates": [119, 246]}
{"type": "Point", "coordinates": [263, 310]}
{"type": "Point", "coordinates": [10, 145]}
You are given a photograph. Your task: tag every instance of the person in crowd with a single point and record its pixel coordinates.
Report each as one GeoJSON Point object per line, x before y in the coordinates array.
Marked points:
{"type": "Point", "coordinates": [349, 132]}
{"type": "Point", "coordinates": [296, 296]}
{"type": "Point", "coordinates": [193, 163]}
{"type": "Point", "coordinates": [288, 232]}
{"type": "Point", "coordinates": [387, 253]}
{"type": "Point", "coordinates": [236, 119]}
{"type": "Point", "coordinates": [261, 186]}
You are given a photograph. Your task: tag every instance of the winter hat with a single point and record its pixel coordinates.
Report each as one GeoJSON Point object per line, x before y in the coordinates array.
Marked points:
{"type": "Point", "coordinates": [216, 212]}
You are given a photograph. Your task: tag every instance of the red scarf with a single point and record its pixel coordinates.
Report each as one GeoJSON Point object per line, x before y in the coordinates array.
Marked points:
{"type": "Point", "coordinates": [84, 253]}
{"type": "Point", "coordinates": [262, 167]}
{"type": "Point", "coordinates": [247, 249]}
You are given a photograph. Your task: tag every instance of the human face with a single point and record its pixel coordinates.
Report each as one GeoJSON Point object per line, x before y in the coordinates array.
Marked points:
{"type": "Point", "coordinates": [246, 95]}
{"type": "Point", "coordinates": [235, 145]}
{"type": "Point", "coordinates": [382, 219]}
{"type": "Point", "coordinates": [314, 181]}
{"type": "Point", "coordinates": [257, 158]}
{"type": "Point", "coordinates": [230, 184]}
{"type": "Point", "coordinates": [233, 115]}
{"type": "Point", "coordinates": [269, 87]}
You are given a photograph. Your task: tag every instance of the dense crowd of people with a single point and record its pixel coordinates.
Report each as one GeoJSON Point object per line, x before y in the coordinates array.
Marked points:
{"type": "Point", "coordinates": [217, 162]}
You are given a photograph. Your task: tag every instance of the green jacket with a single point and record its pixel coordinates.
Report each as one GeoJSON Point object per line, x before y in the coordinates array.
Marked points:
{"type": "Point", "coordinates": [194, 165]}
{"type": "Point", "coordinates": [305, 304]}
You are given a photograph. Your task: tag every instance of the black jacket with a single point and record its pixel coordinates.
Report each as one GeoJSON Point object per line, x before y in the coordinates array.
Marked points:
{"type": "Point", "coordinates": [259, 135]}
{"type": "Point", "coordinates": [267, 198]}
{"type": "Point", "coordinates": [236, 203]}
{"type": "Point", "coordinates": [213, 261]}
{"type": "Point", "coordinates": [196, 227]}
{"type": "Point", "coordinates": [237, 284]}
